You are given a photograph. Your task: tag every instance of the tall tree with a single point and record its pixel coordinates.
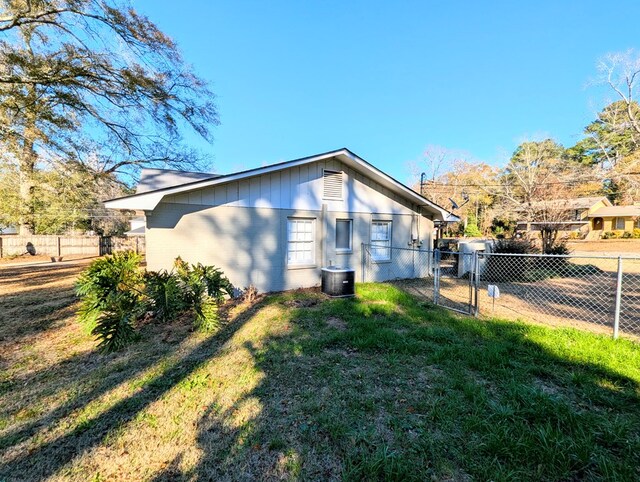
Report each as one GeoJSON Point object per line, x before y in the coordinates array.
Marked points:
{"type": "Point", "coordinates": [95, 84]}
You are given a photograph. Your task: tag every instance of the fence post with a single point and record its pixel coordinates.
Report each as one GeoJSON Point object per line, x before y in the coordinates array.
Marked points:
{"type": "Point", "coordinates": [616, 315]}
{"type": "Point", "coordinates": [59, 247]}
{"type": "Point", "coordinates": [476, 274]}
{"type": "Point", "coordinates": [1, 253]}
{"type": "Point", "coordinates": [436, 276]}
{"type": "Point", "coordinates": [363, 255]}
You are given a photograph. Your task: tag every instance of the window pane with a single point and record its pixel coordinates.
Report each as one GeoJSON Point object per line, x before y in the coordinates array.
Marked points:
{"type": "Point", "coordinates": [343, 234]}
{"type": "Point", "coordinates": [301, 243]}
{"type": "Point", "coordinates": [381, 240]}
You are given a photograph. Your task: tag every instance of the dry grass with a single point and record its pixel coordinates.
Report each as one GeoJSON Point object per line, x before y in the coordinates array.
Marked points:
{"type": "Point", "coordinates": [298, 387]}
{"type": "Point", "coordinates": [614, 247]}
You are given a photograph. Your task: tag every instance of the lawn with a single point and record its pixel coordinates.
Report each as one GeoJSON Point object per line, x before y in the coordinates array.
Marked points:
{"type": "Point", "coordinates": [299, 387]}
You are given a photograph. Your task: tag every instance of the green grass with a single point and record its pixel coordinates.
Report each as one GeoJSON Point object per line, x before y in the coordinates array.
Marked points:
{"type": "Point", "coordinates": [380, 387]}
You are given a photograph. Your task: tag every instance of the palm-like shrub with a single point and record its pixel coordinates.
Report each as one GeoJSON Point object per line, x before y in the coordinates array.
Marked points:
{"type": "Point", "coordinates": [203, 289]}
{"type": "Point", "coordinates": [110, 289]}
{"type": "Point", "coordinates": [164, 294]}
{"type": "Point", "coordinates": [115, 294]}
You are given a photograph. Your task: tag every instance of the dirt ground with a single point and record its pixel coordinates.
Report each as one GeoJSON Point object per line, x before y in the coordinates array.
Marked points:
{"type": "Point", "coordinates": [39, 258]}
{"type": "Point", "coordinates": [613, 247]}
{"type": "Point", "coordinates": [585, 303]}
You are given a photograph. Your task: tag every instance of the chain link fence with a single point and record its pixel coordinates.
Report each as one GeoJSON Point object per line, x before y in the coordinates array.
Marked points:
{"type": "Point", "coordinates": [595, 292]}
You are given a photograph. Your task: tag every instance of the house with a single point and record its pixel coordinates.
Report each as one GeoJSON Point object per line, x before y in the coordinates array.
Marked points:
{"type": "Point", "coordinates": [569, 215]}
{"type": "Point", "coordinates": [8, 229]}
{"type": "Point", "coordinates": [614, 218]}
{"type": "Point", "coordinates": [276, 226]}
{"type": "Point", "coordinates": [152, 179]}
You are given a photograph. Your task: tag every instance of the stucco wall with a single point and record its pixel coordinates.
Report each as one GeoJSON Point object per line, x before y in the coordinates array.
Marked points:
{"type": "Point", "coordinates": [250, 243]}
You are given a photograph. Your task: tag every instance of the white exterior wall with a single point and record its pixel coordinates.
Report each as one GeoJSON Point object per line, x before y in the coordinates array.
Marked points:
{"type": "Point", "coordinates": [241, 227]}
{"type": "Point", "coordinates": [299, 187]}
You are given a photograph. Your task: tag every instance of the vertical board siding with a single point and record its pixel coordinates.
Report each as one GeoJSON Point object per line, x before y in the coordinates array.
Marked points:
{"type": "Point", "coordinates": [300, 187]}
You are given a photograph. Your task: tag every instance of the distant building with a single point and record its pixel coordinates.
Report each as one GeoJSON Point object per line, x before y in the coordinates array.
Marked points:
{"type": "Point", "coordinates": [588, 217]}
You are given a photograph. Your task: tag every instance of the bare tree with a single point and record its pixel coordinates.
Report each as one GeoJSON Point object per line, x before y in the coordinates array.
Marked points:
{"type": "Point", "coordinates": [80, 77]}
{"type": "Point", "coordinates": [621, 72]}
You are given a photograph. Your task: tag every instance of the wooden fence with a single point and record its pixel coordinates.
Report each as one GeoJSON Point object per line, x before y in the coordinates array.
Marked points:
{"type": "Point", "coordinates": [13, 245]}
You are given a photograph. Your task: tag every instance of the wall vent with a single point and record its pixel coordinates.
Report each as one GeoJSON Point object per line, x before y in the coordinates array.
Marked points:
{"type": "Point", "coordinates": [332, 184]}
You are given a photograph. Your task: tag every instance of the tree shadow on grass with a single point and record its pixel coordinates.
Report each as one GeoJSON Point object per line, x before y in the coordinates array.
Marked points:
{"type": "Point", "coordinates": [105, 373]}
{"type": "Point", "coordinates": [403, 391]}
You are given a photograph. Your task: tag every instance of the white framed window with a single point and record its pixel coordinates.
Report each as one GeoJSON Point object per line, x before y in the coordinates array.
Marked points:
{"type": "Point", "coordinates": [381, 240]}
{"type": "Point", "coordinates": [344, 235]}
{"type": "Point", "coordinates": [618, 223]}
{"type": "Point", "coordinates": [301, 245]}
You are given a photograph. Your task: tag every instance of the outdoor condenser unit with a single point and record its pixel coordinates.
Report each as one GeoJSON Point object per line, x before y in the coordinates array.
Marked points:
{"type": "Point", "coordinates": [338, 282]}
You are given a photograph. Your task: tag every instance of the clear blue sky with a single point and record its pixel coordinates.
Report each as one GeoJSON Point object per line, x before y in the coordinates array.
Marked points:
{"type": "Point", "coordinates": [386, 79]}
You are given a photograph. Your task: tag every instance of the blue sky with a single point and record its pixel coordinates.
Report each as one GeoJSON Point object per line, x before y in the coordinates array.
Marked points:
{"type": "Point", "coordinates": [386, 79]}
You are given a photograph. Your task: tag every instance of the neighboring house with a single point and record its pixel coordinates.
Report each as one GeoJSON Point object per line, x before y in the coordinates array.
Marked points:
{"type": "Point", "coordinates": [137, 226]}
{"type": "Point", "coordinates": [614, 218]}
{"type": "Point", "coordinates": [10, 229]}
{"type": "Point", "coordinates": [569, 215]}
{"type": "Point", "coordinates": [276, 226]}
{"type": "Point", "coordinates": [152, 179]}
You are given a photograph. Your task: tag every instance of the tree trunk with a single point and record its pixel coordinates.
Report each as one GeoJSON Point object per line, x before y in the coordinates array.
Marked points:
{"type": "Point", "coordinates": [28, 160]}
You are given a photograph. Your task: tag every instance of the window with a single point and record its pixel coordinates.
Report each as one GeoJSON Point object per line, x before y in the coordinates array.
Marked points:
{"type": "Point", "coordinates": [618, 223]}
{"type": "Point", "coordinates": [332, 184]}
{"type": "Point", "coordinates": [344, 233]}
{"type": "Point", "coordinates": [381, 240]}
{"type": "Point", "coordinates": [301, 241]}
{"type": "Point", "coordinates": [637, 223]}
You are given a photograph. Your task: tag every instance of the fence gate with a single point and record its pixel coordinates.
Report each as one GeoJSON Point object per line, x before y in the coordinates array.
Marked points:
{"type": "Point", "coordinates": [105, 245]}
{"type": "Point", "coordinates": [454, 284]}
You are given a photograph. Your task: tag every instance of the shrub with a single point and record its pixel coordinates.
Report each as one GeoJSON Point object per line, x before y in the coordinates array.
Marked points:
{"type": "Point", "coordinates": [627, 235]}
{"type": "Point", "coordinates": [636, 233]}
{"type": "Point", "coordinates": [203, 289]}
{"type": "Point", "coordinates": [115, 294]}
{"type": "Point", "coordinates": [110, 288]}
{"type": "Point", "coordinates": [472, 231]}
{"type": "Point", "coordinates": [618, 233]}
{"type": "Point", "coordinates": [164, 294]}
{"type": "Point", "coordinates": [514, 246]}
{"type": "Point", "coordinates": [559, 248]}
{"type": "Point", "coordinates": [509, 268]}
{"type": "Point", "coordinates": [609, 235]}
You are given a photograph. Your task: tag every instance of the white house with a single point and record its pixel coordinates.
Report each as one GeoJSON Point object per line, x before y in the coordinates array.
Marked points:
{"type": "Point", "coordinates": [276, 226]}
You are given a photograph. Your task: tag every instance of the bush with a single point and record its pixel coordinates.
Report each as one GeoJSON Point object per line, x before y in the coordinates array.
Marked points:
{"type": "Point", "coordinates": [514, 246]}
{"type": "Point", "coordinates": [110, 289]}
{"type": "Point", "coordinates": [627, 235]}
{"type": "Point", "coordinates": [203, 289]}
{"type": "Point", "coordinates": [636, 233]}
{"type": "Point", "coordinates": [509, 268]}
{"type": "Point", "coordinates": [472, 231]}
{"type": "Point", "coordinates": [164, 294]}
{"type": "Point", "coordinates": [559, 248]}
{"type": "Point", "coordinates": [115, 294]}
{"type": "Point", "coordinates": [609, 235]}
{"type": "Point", "coordinates": [618, 233]}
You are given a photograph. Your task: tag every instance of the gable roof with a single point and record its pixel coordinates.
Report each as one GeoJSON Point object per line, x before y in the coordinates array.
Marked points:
{"type": "Point", "coordinates": [574, 203]}
{"type": "Point", "coordinates": [152, 179]}
{"type": "Point", "coordinates": [150, 199]}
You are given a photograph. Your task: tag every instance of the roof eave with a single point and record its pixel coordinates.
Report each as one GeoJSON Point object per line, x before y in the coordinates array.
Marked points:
{"type": "Point", "coordinates": [148, 201]}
